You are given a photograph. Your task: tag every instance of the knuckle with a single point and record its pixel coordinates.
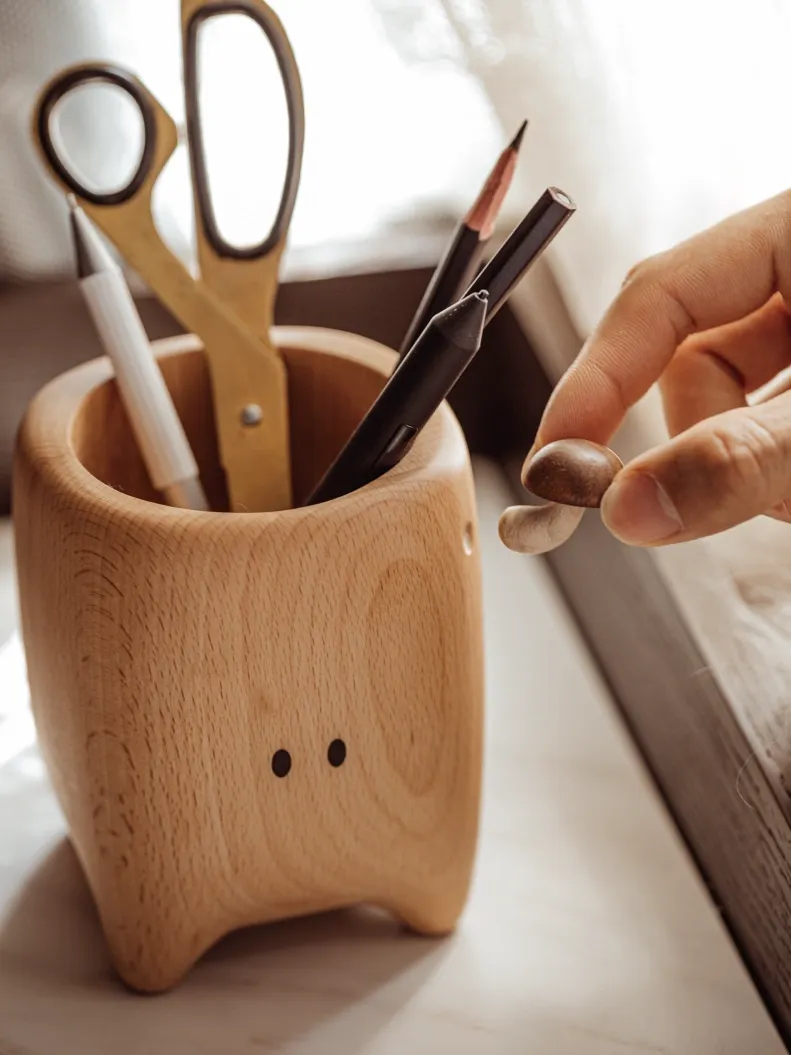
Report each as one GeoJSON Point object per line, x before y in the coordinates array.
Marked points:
{"type": "Point", "coordinates": [631, 275]}
{"type": "Point", "coordinates": [640, 272]}
{"type": "Point", "coordinates": [699, 347]}
{"type": "Point", "coordinates": [685, 359]}
{"type": "Point", "coordinates": [658, 275]}
{"type": "Point", "coordinates": [746, 462]}
{"type": "Point", "coordinates": [611, 384]}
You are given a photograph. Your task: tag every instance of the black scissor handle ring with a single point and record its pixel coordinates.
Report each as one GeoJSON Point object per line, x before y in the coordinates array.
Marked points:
{"type": "Point", "coordinates": [58, 89]}
{"type": "Point", "coordinates": [293, 92]}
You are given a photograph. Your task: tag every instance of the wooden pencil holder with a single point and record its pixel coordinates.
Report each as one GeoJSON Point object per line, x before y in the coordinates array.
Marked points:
{"type": "Point", "coordinates": [248, 717]}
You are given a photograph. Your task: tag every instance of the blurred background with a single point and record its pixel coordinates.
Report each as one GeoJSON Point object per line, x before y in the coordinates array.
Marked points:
{"type": "Point", "coordinates": [635, 109]}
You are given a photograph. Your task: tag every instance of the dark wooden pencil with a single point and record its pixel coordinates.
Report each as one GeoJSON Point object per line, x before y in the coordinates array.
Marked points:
{"type": "Point", "coordinates": [522, 248]}
{"type": "Point", "coordinates": [463, 252]}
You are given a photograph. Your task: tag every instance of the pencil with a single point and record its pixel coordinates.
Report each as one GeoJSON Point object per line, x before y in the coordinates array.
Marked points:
{"type": "Point", "coordinates": [463, 252]}
{"type": "Point", "coordinates": [522, 248]}
{"type": "Point", "coordinates": [152, 415]}
{"type": "Point", "coordinates": [411, 395]}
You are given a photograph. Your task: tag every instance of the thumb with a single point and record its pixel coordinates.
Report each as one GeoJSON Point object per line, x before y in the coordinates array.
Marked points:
{"type": "Point", "coordinates": [719, 473]}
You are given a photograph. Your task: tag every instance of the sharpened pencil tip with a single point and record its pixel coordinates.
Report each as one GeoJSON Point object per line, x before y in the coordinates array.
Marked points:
{"type": "Point", "coordinates": [82, 257]}
{"type": "Point", "coordinates": [516, 142]}
{"type": "Point", "coordinates": [90, 255]}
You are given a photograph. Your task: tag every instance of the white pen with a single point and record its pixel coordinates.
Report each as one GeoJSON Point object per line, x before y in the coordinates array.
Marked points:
{"type": "Point", "coordinates": [155, 422]}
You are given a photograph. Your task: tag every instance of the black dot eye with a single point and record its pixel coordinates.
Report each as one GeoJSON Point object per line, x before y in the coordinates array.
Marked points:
{"type": "Point", "coordinates": [336, 753]}
{"type": "Point", "coordinates": [281, 763]}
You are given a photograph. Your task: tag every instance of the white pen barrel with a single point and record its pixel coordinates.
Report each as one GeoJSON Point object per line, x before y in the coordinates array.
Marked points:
{"type": "Point", "coordinates": [155, 422]}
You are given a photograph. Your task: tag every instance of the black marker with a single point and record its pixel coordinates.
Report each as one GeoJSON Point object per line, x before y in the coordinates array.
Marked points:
{"type": "Point", "coordinates": [413, 392]}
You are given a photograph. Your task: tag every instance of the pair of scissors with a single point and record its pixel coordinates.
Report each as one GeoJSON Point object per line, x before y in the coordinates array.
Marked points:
{"type": "Point", "coordinates": [230, 305]}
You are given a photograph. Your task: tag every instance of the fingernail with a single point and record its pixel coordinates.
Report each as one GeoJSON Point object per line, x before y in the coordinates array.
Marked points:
{"type": "Point", "coordinates": [526, 462]}
{"type": "Point", "coordinates": [638, 510]}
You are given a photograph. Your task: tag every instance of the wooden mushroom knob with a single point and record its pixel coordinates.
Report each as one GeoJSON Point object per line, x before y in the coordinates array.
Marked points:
{"type": "Point", "coordinates": [571, 472]}
{"type": "Point", "coordinates": [538, 529]}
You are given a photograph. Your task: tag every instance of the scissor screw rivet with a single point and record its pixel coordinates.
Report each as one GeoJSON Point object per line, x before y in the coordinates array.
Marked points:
{"type": "Point", "coordinates": [252, 415]}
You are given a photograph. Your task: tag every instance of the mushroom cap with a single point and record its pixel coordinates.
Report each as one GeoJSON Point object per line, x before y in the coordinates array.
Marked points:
{"type": "Point", "coordinates": [571, 472]}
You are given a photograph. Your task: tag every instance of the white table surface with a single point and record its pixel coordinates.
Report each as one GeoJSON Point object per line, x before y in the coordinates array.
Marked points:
{"type": "Point", "coordinates": [588, 931]}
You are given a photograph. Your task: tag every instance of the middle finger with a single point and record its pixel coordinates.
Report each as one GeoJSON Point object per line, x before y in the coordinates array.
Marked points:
{"type": "Point", "coordinates": [714, 371]}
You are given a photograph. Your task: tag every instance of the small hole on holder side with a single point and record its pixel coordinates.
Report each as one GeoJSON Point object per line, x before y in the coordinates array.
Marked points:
{"type": "Point", "coordinates": [467, 539]}
{"type": "Point", "coordinates": [336, 753]}
{"type": "Point", "coordinates": [281, 763]}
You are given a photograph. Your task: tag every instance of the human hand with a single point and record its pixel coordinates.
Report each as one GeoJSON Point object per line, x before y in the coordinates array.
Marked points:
{"type": "Point", "coordinates": [709, 320]}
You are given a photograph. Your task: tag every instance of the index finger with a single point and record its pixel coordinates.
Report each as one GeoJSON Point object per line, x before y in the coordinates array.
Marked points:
{"type": "Point", "coordinates": [720, 275]}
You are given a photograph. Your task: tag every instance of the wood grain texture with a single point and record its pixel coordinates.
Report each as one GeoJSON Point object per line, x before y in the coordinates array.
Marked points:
{"type": "Point", "coordinates": [172, 653]}
{"type": "Point", "coordinates": [243, 369]}
{"type": "Point", "coordinates": [587, 931]}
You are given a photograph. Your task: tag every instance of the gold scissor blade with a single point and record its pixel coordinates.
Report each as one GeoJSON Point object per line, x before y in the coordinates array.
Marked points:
{"type": "Point", "coordinates": [246, 380]}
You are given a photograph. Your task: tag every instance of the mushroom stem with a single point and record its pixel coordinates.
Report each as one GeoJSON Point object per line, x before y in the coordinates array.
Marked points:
{"type": "Point", "coordinates": [538, 529]}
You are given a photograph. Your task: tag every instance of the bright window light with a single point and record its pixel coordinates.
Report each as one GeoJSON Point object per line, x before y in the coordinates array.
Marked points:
{"type": "Point", "coordinates": [384, 138]}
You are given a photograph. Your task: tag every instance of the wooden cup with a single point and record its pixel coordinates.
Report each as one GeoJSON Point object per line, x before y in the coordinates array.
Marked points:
{"type": "Point", "coordinates": [248, 717]}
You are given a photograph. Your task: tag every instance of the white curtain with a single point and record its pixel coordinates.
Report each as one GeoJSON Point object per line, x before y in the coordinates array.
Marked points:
{"type": "Point", "coordinates": [387, 142]}
{"type": "Point", "coordinates": [658, 118]}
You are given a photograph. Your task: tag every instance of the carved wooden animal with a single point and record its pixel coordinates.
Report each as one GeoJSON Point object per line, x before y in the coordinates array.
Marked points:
{"type": "Point", "coordinates": [252, 716]}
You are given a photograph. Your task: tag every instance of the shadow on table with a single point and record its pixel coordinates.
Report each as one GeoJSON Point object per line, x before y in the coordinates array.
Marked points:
{"type": "Point", "coordinates": [323, 983]}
